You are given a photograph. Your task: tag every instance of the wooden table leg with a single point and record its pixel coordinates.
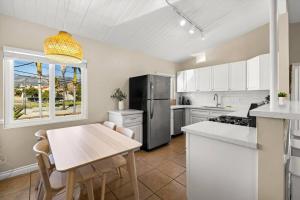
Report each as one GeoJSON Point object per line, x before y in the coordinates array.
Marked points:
{"type": "Point", "coordinates": [70, 184]}
{"type": "Point", "coordinates": [132, 173]}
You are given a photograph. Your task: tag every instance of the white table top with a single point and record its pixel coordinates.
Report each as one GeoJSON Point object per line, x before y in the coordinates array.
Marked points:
{"type": "Point", "coordinates": [234, 134]}
{"type": "Point", "coordinates": [290, 110]}
{"type": "Point", "coordinates": [76, 146]}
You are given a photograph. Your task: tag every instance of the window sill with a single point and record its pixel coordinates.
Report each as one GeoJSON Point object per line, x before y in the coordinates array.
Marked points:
{"type": "Point", "coordinates": [38, 122]}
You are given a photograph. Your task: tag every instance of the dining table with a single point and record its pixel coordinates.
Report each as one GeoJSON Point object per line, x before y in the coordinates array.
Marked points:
{"type": "Point", "coordinates": [77, 146]}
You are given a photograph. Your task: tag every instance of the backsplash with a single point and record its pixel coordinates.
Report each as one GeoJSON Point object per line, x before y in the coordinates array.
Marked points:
{"type": "Point", "coordinates": [233, 98]}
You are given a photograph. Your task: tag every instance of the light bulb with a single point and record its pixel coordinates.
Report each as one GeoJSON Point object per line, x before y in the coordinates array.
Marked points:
{"type": "Point", "coordinates": [192, 31]}
{"type": "Point", "coordinates": [202, 36]}
{"type": "Point", "coordinates": [182, 22]}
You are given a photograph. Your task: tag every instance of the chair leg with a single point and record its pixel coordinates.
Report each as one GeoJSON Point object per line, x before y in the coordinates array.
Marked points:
{"type": "Point", "coordinates": [103, 186]}
{"type": "Point", "coordinates": [119, 172]}
{"type": "Point", "coordinates": [90, 190]}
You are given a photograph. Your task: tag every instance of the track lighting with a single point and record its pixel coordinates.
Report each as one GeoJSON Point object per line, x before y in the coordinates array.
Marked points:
{"type": "Point", "coordinates": [192, 31]}
{"type": "Point", "coordinates": [182, 22]}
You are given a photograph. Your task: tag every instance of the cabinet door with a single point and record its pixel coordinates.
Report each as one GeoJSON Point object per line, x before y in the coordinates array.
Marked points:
{"type": "Point", "coordinates": [198, 119]}
{"type": "Point", "coordinates": [264, 66]}
{"type": "Point", "coordinates": [138, 132]}
{"type": "Point", "coordinates": [180, 81]}
{"type": "Point", "coordinates": [220, 77]}
{"type": "Point", "coordinates": [203, 79]}
{"type": "Point", "coordinates": [190, 80]}
{"type": "Point", "coordinates": [237, 76]}
{"type": "Point", "coordinates": [253, 73]}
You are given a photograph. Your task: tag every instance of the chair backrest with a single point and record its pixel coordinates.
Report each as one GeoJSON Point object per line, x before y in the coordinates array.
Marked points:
{"type": "Point", "coordinates": [42, 149]}
{"type": "Point", "coordinates": [125, 131]}
{"type": "Point", "coordinates": [110, 125]}
{"type": "Point", "coordinates": [41, 134]}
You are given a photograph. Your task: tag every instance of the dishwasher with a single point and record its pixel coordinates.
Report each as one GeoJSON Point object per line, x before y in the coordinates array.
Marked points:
{"type": "Point", "coordinates": [178, 120]}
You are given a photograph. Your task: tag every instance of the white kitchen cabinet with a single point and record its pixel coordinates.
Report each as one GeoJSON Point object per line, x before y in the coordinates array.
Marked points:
{"type": "Point", "coordinates": [220, 77]}
{"type": "Point", "coordinates": [186, 81]}
{"type": "Point", "coordinates": [190, 80]}
{"type": "Point", "coordinates": [203, 79]}
{"type": "Point", "coordinates": [258, 74]}
{"type": "Point", "coordinates": [237, 76]}
{"type": "Point", "coordinates": [180, 81]}
{"type": "Point", "coordinates": [132, 119]}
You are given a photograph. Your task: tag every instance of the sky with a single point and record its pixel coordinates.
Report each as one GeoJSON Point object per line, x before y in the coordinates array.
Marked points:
{"type": "Point", "coordinates": [30, 69]}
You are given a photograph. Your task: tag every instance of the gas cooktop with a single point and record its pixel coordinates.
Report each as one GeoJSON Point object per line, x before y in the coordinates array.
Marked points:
{"type": "Point", "coordinates": [242, 121]}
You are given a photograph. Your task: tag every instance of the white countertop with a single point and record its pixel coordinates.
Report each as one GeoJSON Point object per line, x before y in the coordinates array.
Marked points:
{"type": "Point", "coordinates": [234, 134]}
{"type": "Point", "coordinates": [290, 110]}
{"type": "Point", "coordinates": [206, 107]}
{"type": "Point", "coordinates": [125, 112]}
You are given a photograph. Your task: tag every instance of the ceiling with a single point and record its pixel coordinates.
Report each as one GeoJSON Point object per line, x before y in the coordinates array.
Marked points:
{"type": "Point", "coordinates": [148, 26]}
{"type": "Point", "coordinates": [294, 11]}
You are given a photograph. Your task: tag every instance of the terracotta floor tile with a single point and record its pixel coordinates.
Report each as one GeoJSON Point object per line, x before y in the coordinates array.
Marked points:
{"type": "Point", "coordinates": [155, 180]}
{"type": "Point", "coordinates": [117, 183]}
{"type": "Point", "coordinates": [180, 159]}
{"type": "Point", "coordinates": [172, 191]}
{"type": "Point", "coordinates": [126, 192]}
{"type": "Point", "coordinates": [182, 179]}
{"type": "Point", "coordinates": [15, 185]}
{"type": "Point", "coordinates": [153, 197]}
{"type": "Point", "coordinates": [171, 169]}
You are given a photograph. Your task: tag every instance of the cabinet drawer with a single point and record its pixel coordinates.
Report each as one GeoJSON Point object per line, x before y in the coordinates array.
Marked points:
{"type": "Point", "coordinates": [130, 119]}
{"type": "Point", "coordinates": [218, 113]}
{"type": "Point", "coordinates": [198, 112]}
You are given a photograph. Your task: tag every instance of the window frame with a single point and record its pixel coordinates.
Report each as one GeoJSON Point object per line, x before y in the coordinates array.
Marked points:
{"type": "Point", "coordinates": [10, 54]}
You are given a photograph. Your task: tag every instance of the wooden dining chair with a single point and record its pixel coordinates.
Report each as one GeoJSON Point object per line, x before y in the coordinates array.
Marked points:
{"type": "Point", "coordinates": [54, 182]}
{"type": "Point", "coordinates": [41, 134]}
{"type": "Point", "coordinates": [119, 160]}
{"type": "Point", "coordinates": [110, 125]}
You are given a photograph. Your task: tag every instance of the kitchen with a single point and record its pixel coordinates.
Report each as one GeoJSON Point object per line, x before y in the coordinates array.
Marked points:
{"type": "Point", "coordinates": [167, 99]}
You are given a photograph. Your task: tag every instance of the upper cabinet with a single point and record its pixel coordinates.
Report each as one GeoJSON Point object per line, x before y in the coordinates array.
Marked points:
{"type": "Point", "coordinates": [237, 76]}
{"type": "Point", "coordinates": [258, 75]}
{"type": "Point", "coordinates": [220, 77]}
{"type": "Point", "coordinates": [203, 79]}
{"type": "Point", "coordinates": [252, 74]}
{"type": "Point", "coordinates": [186, 81]}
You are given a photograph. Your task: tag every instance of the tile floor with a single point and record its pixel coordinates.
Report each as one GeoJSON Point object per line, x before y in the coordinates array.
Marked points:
{"type": "Point", "coordinates": [161, 175]}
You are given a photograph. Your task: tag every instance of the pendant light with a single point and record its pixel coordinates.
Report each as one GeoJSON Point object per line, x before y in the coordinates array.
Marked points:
{"type": "Point", "coordinates": [63, 48]}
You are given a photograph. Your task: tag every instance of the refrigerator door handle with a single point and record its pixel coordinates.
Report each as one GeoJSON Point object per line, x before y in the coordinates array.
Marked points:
{"type": "Point", "coordinates": [151, 100]}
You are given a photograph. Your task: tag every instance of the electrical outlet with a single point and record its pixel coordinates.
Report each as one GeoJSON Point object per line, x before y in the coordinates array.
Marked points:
{"type": "Point", "coordinates": [2, 159]}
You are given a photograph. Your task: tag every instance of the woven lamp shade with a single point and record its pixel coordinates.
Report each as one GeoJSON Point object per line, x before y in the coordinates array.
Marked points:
{"type": "Point", "coordinates": [63, 48]}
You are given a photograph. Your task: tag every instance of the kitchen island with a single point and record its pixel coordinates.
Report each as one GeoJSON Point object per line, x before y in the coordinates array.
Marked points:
{"type": "Point", "coordinates": [221, 161]}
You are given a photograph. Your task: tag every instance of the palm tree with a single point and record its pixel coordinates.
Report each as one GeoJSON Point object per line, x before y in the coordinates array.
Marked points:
{"type": "Point", "coordinates": [40, 74]}
{"type": "Point", "coordinates": [74, 89]}
{"type": "Point", "coordinates": [63, 72]}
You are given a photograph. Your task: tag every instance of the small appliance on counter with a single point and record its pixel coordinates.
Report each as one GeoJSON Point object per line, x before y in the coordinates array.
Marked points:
{"type": "Point", "coordinates": [242, 121]}
{"type": "Point", "coordinates": [184, 101]}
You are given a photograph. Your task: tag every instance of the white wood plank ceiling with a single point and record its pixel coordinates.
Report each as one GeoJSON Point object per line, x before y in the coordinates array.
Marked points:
{"type": "Point", "coordinates": [149, 26]}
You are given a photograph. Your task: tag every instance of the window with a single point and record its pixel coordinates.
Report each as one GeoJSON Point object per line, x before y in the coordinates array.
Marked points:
{"type": "Point", "coordinates": [38, 91]}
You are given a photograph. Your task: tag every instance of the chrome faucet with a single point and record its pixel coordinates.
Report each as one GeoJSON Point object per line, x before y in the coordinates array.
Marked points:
{"type": "Point", "coordinates": [216, 98]}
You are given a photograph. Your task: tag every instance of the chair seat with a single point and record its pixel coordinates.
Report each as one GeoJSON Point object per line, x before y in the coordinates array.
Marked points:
{"type": "Point", "coordinates": [119, 161]}
{"type": "Point", "coordinates": [58, 179]}
{"type": "Point", "coordinates": [295, 166]}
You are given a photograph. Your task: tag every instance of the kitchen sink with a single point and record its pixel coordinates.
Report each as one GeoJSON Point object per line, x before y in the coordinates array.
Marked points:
{"type": "Point", "coordinates": [214, 107]}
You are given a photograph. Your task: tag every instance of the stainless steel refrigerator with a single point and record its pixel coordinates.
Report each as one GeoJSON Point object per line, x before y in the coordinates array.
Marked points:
{"type": "Point", "coordinates": [151, 93]}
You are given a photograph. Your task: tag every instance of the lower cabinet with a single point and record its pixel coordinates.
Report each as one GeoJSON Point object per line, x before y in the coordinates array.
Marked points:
{"type": "Point", "coordinates": [138, 132]}
{"type": "Point", "coordinates": [198, 119]}
{"type": "Point", "coordinates": [132, 119]}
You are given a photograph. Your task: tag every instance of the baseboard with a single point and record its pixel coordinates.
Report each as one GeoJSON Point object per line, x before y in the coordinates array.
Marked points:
{"type": "Point", "coordinates": [18, 171]}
